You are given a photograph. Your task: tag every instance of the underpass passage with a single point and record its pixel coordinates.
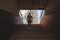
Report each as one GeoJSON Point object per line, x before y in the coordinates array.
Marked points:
{"type": "Point", "coordinates": [35, 33]}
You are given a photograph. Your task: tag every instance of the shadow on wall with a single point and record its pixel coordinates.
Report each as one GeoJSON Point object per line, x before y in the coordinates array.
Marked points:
{"type": "Point", "coordinates": [7, 24]}
{"type": "Point", "coordinates": [5, 17]}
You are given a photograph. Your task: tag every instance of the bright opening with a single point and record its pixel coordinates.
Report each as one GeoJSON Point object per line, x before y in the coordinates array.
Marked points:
{"type": "Point", "coordinates": [37, 15]}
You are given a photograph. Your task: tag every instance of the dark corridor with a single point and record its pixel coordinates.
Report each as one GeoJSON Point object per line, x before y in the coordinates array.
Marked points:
{"type": "Point", "coordinates": [49, 29]}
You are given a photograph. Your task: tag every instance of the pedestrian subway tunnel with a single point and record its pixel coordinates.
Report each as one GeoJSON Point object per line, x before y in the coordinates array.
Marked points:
{"type": "Point", "coordinates": [10, 22]}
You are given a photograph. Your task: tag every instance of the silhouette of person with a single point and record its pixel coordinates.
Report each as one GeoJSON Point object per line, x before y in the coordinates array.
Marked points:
{"type": "Point", "coordinates": [29, 19]}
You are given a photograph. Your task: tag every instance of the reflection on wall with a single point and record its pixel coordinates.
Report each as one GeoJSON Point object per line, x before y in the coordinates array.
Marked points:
{"type": "Point", "coordinates": [37, 15]}
{"type": "Point", "coordinates": [18, 19]}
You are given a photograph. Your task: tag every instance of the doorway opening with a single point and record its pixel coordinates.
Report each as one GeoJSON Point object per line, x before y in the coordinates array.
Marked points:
{"type": "Point", "coordinates": [37, 15]}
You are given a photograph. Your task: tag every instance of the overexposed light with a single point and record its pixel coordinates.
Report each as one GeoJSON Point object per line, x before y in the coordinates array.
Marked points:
{"type": "Point", "coordinates": [37, 15]}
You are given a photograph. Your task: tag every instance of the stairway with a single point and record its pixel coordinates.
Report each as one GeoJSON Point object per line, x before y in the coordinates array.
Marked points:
{"type": "Point", "coordinates": [35, 33]}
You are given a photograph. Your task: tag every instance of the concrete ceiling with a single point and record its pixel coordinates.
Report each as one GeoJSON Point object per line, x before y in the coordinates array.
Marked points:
{"type": "Point", "coordinates": [14, 6]}
{"type": "Point", "coordinates": [32, 4]}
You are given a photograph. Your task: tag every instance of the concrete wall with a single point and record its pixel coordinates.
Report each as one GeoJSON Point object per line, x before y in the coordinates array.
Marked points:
{"type": "Point", "coordinates": [47, 20]}
{"type": "Point", "coordinates": [51, 20]}
{"type": "Point", "coordinates": [9, 6]}
{"type": "Point", "coordinates": [51, 12]}
{"type": "Point", "coordinates": [6, 24]}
